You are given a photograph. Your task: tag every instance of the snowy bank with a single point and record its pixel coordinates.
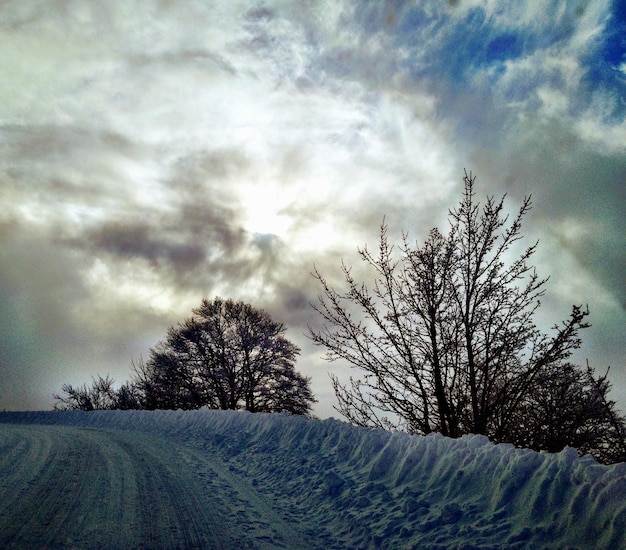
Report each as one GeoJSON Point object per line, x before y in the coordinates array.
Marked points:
{"type": "Point", "coordinates": [349, 487]}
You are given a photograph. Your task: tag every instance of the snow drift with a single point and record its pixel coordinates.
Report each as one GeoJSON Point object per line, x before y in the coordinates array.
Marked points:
{"type": "Point", "coordinates": [348, 487]}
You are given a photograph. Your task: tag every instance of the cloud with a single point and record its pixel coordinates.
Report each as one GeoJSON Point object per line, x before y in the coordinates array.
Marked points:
{"type": "Point", "coordinates": [160, 153]}
{"type": "Point", "coordinates": [136, 241]}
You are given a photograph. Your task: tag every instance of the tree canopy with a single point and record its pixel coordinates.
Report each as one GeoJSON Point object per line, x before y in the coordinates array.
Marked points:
{"type": "Point", "coordinates": [445, 340]}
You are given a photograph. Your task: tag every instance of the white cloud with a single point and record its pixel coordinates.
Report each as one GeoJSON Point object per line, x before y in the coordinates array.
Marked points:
{"type": "Point", "coordinates": [175, 150]}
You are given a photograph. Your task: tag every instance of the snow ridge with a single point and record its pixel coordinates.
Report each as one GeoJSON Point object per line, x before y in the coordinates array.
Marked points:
{"type": "Point", "coordinates": [350, 487]}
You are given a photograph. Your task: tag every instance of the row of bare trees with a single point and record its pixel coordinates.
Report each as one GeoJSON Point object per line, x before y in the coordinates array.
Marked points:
{"type": "Point", "coordinates": [445, 340]}
{"type": "Point", "coordinates": [228, 355]}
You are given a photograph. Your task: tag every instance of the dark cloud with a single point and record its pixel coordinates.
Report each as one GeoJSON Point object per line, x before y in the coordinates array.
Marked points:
{"type": "Point", "coordinates": [141, 241]}
{"type": "Point", "coordinates": [577, 198]}
{"type": "Point", "coordinates": [260, 13]}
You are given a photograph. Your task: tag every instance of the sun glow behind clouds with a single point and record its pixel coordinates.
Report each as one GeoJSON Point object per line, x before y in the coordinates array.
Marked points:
{"type": "Point", "coordinates": [291, 213]}
{"type": "Point", "coordinates": [264, 206]}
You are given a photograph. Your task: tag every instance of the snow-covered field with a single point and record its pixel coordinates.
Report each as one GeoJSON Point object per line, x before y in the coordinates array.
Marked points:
{"type": "Point", "coordinates": [216, 479]}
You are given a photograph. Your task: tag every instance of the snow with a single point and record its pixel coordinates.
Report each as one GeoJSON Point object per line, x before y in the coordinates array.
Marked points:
{"type": "Point", "coordinates": [223, 479]}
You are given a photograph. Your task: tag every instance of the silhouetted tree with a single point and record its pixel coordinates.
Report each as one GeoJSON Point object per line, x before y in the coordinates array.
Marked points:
{"type": "Point", "coordinates": [100, 395]}
{"type": "Point", "coordinates": [446, 341]}
{"type": "Point", "coordinates": [569, 406]}
{"type": "Point", "coordinates": [127, 397]}
{"type": "Point", "coordinates": [229, 355]}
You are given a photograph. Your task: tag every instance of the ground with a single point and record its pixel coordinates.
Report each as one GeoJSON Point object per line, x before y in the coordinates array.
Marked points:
{"type": "Point", "coordinates": [212, 479]}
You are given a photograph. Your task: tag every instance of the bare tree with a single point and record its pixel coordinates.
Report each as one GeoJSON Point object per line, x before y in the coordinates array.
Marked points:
{"type": "Point", "coordinates": [568, 406]}
{"type": "Point", "coordinates": [229, 355]}
{"type": "Point", "coordinates": [101, 395]}
{"type": "Point", "coordinates": [445, 340]}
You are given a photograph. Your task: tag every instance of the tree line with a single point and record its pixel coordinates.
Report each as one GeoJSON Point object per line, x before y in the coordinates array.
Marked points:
{"type": "Point", "coordinates": [443, 340]}
{"type": "Point", "coordinates": [228, 355]}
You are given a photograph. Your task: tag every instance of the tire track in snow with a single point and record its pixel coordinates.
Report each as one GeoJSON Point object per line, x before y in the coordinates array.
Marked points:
{"type": "Point", "coordinates": [75, 487]}
{"type": "Point", "coordinates": [44, 486]}
{"type": "Point", "coordinates": [259, 520]}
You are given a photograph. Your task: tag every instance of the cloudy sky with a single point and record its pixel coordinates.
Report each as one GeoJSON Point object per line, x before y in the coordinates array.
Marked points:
{"type": "Point", "coordinates": [156, 152]}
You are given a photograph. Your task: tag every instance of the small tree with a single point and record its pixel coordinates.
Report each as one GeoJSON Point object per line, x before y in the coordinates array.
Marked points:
{"type": "Point", "coordinates": [229, 355]}
{"type": "Point", "coordinates": [99, 396]}
{"type": "Point", "coordinates": [568, 406]}
{"type": "Point", "coordinates": [446, 339]}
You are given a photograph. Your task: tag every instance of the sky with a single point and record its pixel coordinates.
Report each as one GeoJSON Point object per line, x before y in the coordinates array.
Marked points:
{"type": "Point", "coordinates": [154, 153]}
